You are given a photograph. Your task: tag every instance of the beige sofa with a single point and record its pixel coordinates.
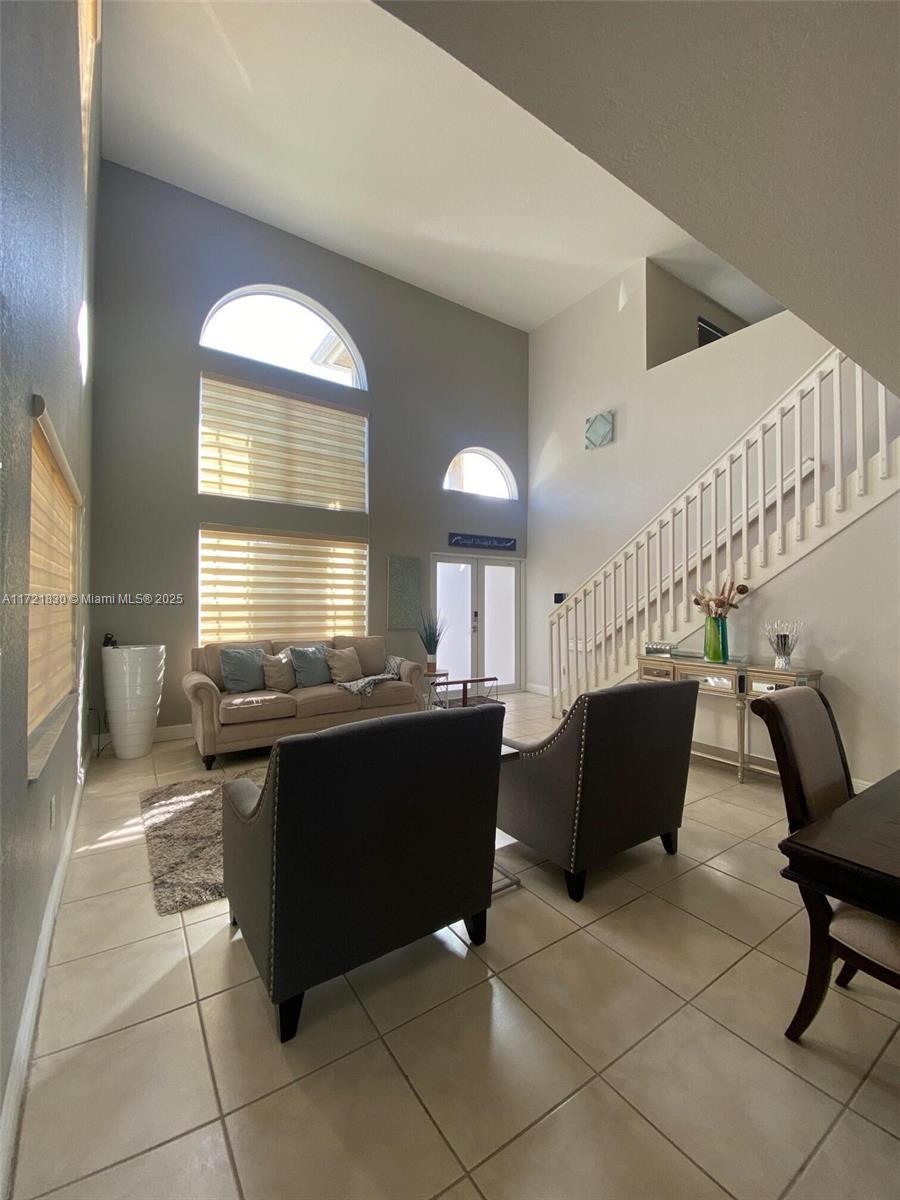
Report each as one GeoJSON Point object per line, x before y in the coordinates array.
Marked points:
{"type": "Point", "coordinates": [242, 721]}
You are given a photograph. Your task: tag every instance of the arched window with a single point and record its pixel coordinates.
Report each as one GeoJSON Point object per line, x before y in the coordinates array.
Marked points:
{"type": "Point", "coordinates": [481, 472]}
{"type": "Point", "coordinates": [279, 326]}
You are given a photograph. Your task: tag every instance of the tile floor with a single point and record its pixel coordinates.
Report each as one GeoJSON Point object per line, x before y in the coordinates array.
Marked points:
{"type": "Point", "coordinates": [629, 1047]}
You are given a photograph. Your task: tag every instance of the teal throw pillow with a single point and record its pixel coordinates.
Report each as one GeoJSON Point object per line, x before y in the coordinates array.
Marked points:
{"type": "Point", "coordinates": [310, 665]}
{"type": "Point", "coordinates": [242, 669]}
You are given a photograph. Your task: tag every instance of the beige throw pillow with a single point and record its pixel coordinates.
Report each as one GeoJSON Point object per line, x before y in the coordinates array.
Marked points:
{"type": "Point", "coordinates": [343, 665]}
{"type": "Point", "coordinates": [278, 671]}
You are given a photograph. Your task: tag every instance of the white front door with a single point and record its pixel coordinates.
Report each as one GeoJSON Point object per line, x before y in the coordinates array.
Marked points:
{"type": "Point", "coordinates": [480, 598]}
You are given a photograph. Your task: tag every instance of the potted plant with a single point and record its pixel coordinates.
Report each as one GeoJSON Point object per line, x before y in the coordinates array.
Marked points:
{"type": "Point", "coordinates": [432, 627]}
{"type": "Point", "coordinates": [716, 607]}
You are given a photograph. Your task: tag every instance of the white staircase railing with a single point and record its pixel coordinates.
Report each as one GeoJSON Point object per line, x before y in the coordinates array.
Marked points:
{"type": "Point", "coordinates": [821, 456]}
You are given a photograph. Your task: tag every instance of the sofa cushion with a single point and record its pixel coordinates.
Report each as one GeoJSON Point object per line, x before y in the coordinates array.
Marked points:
{"type": "Point", "coordinates": [390, 693]}
{"type": "Point", "coordinates": [323, 699]}
{"type": "Point", "coordinates": [255, 706]}
{"type": "Point", "coordinates": [242, 668]}
{"type": "Point", "coordinates": [208, 661]}
{"type": "Point", "coordinates": [343, 665]}
{"type": "Point", "coordinates": [278, 670]}
{"type": "Point", "coordinates": [370, 650]}
{"type": "Point", "coordinates": [310, 666]}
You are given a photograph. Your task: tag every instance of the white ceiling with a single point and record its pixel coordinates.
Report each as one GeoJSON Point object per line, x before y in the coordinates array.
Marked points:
{"type": "Point", "coordinates": [336, 122]}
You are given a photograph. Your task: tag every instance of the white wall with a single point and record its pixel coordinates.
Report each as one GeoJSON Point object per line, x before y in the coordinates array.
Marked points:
{"type": "Point", "coordinates": [672, 421]}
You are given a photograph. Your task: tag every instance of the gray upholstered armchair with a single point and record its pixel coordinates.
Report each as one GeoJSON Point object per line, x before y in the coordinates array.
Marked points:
{"type": "Point", "coordinates": [364, 838]}
{"type": "Point", "coordinates": [611, 776]}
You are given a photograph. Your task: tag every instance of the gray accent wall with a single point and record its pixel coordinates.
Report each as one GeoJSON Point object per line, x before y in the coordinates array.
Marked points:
{"type": "Point", "coordinates": [45, 271]}
{"type": "Point", "coordinates": [440, 377]}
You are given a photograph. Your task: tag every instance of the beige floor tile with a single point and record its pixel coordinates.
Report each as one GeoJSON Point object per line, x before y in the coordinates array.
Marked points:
{"type": "Point", "coordinates": [857, 1161]}
{"type": "Point", "coordinates": [219, 955]}
{"type": "Point", "coordinates": [761, 796]}
{"type": "Point", "coordinates": [772, 835]}
{"type": "Point", "coordinates": [757, 998]}
{"type": "Point", "coordinates": [760, 866]}
{"type": "Point", "coordinates": [603, 892]}
{"type": "Point", "coordinates": [195, 1166]}
{"type": "Point", "coordinates": [353, 1129]}
{"type": "Point", "coordinates": [708, 778]}
{"type": "Point", "coordinates": [740, 1116]}
{"type": "Point", "coordinates": [93, 996]}
{"type": "Point", "coordinates": [879, 1097]}
{"type": "Point", "coordinates": [123, 807]}
{"type": "Point", "coordinates": [597, 1001]}
{"type": "Point", "coordinates": [247, 1057]}
{"type": "Point", "coordinates": [595, 1145]}
{"type": "Point", "coordinates": [649, 866]}
{"type": "Point", "coordinates": [732, 818]}
{"type": "Point", "coordinates": [403, 984]}
{"type": "Point", "coordinates": [110, 785]}
{"type": "Point", "coordinates": [518, 923]}
{"type": "Point", "coordinates": [702, 842]}
{"type": "Point", "coordinates": [102, 922]}
{"type": "Point", "coordinates": [790, 945]}
{"type": "Point", "coordinates": [675, 948]}
{"type": "Point", "coordinates": [464, 1190]}
{"type": "Point", "coordinates": [97, 873]}
{"type": "Point", "coordinates": [485, 1067]}
{"type": "Point", "coordinates": [735, 907]}
{"type": "Point", "coordinates": [102, 1101]}
{"type": "Point", "coordinates": [202, 912]}
{"type": "Point", "coordinates": [114, 833]}
{"type": "Point", "coordinates": [515, 856]}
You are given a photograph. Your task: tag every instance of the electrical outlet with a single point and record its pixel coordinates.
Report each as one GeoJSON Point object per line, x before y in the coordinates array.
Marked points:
{"type": "Point", "coordinates": [52, 810]}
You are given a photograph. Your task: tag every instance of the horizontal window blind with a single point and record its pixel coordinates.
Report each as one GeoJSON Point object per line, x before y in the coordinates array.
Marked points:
{"type": "Point", "coordinates": [267, 446]}
{"type": "Point", "coordinates": [52, 572]}
{"type": "Point", "coordinates": [256, 585]}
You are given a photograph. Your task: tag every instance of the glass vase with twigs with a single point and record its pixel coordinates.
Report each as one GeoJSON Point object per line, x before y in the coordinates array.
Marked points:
{"type": "Point", "coordinates": [716, 606]}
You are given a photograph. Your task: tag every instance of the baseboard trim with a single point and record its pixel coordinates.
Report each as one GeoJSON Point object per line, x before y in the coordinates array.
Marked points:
{"type": "Point", "coordinates": [540, 688]}
{"type": "Point", "coordinates": [17, 1078]}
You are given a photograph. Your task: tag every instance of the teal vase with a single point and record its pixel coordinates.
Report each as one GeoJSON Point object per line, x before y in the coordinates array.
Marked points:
{"type": "Point", "coordinates": [715, 640]}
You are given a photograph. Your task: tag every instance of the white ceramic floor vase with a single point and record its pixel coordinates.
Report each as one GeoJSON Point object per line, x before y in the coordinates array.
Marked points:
{"type": "Point", "coordinates": [132, 685]}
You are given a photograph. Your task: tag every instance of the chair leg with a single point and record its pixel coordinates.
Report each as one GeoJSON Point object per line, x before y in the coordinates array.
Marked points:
{"type": "Point", "coordinates": [476, 927]}
{"type": "Point", "coordinates": [575, 881]}
{"type": "Point", "coordinates": [821, 958]}
{"type": "Point", "coordinates": [208, 760]}
{"type": "Point", "coordinates": [231, 917]}
{"type": "Point", "coordinates": [845, 974]}
{"type": "Point", "coordinates": [289, 1016]}
{"type": "Point", "coordinates": [670, 841]}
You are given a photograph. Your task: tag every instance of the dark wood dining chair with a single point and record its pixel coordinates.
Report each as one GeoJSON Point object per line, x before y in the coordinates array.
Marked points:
{"type": "Point", "coordinates": [815, 780]}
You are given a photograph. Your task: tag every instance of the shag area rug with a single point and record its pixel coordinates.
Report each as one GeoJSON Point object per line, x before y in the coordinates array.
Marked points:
{"type": "Point", "coordinates": [183, 824]}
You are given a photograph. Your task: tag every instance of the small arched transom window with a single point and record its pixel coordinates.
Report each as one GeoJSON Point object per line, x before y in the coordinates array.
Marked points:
{"type": "Point", "coordinates": [278, 326]}
{"type": "Point", "coordinates": [482, 473]}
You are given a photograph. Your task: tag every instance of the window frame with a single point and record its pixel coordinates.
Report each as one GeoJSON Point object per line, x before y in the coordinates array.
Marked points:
{"type": "Point", "coordinates": [360, 381]}
{"type": "Point", "coordinates": [502, 466]}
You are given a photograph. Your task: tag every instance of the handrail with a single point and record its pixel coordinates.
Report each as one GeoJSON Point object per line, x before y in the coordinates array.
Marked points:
{"type": "Point", "coordinates": [787, 398]}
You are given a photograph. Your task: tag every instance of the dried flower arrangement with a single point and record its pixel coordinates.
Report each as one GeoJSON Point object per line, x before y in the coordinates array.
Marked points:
{"type": "Point", "coordinates": [719, 605]}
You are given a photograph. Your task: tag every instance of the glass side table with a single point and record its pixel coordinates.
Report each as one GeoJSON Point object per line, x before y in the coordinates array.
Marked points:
{"type": "Point", "coordinates": [431, 680]}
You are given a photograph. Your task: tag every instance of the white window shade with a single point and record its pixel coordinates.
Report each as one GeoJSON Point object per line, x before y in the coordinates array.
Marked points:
{"type": "Point", "coordinates": [263, 445]}
{"type": "Point", "coordinates": [52, 573]}
{"type": "Point", "coordinates": [256, 586]}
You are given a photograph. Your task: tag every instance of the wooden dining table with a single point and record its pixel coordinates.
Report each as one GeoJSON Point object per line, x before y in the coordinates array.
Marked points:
{"type": "Point", "coordinates": [853, 854]}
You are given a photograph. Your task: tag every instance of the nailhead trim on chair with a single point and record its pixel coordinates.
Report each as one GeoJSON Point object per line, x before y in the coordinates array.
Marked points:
{"type": "Point", "coordinates": [563, 726]}
{"type": "Point", "coordinates": [575, 823]}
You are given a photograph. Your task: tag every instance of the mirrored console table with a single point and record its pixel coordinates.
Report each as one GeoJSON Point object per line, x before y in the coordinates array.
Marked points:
{"type": "Point", "coordinates": [738, 680]}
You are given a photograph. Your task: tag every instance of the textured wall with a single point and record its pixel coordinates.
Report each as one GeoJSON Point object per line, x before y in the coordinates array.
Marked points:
{"type": "Point", "coordinates": [440, 377]}
{"type": "Point", "coordinates": [767, 130]}
{"type": "Point", "coordinates": [45, 268]}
